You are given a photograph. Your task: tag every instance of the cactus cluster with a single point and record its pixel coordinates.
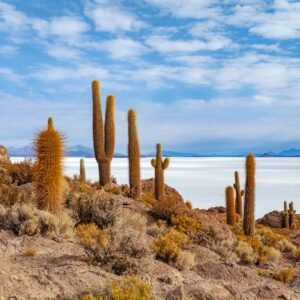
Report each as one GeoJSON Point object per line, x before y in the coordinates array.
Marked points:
{"type": "Point", "coordinates": [289, 216]}
{"type": "Point", "coordinates": [49, 148]}
{"type": "Point", "coordinates": [103, 136]}
{"type": "Point", "coordinates": [159, 165]}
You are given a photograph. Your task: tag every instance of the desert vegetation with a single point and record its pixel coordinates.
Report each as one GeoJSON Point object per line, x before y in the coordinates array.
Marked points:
{"type": "Point", "coordinates": [141, 241]}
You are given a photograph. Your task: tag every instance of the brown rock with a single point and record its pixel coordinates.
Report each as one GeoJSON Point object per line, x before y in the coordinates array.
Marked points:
{"type": "Point", "coordinates": [274, 219]}
{"type": "Point", "coordinates": [176, 294]}
{"type": "Point", "coordinates": [149, 184]}
{"type": "Point", "coordinates": [4, 157]}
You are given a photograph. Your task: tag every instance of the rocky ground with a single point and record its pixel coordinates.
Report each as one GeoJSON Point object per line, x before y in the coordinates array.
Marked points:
{"type": "Point", "coordinates": [42, 267]}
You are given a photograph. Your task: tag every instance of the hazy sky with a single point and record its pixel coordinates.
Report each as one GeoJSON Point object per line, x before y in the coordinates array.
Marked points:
{"type": "Point", "coordinates": [208, 76]}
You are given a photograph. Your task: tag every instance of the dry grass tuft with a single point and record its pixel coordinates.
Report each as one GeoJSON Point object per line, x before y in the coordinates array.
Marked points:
{"type": "Point", "coordinates": [21, 172]}
{"type": "Point", "coordinates": [285, 275]}
{"type": "Point", "coordinates": [30, 252]}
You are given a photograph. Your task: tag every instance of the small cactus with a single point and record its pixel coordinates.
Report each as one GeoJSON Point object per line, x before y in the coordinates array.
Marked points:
{"type": "Point", "coordinates": [103, 136]}
{"type": "Point", "coordinates": [82, 176]}
{"type": "Point", "coordinates": [249, 202]}
{"type": "Point", "coordinates": [239, 194]}
{"type": "Point", "coordinates": [134, 156]}
{"type": "Point", "coordinates": [230, 206]}
{"type": "Point", "coordinates": [48, 175]}
{"type": "Point", "coordinates": [285, 216]}
{"type": "Point", "coordinates": [159, 165]}
{"type": "Point", "coordinates": [292, 216]}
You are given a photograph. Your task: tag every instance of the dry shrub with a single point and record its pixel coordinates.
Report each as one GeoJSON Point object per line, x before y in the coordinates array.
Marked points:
{"type": "Point", "coordinates": [95, 241]}
{"type": "Point", "coordinates": [148, 199]}
{"type": "Point", "coordinates": [285, 275]}
{"type": "Point", "coordinates": [11, 194]}
{"type": "Point", "coordinates": [225, 248]}
{"type": "Point", "coordinates": [97, 207]}
{"type": "Point", "coordinates": [126, 288]}
{"type": "Point", "coordinates": [21, 172]}
{"type": "Point", "coordinates": [297, 254]}
{"type": "Point", "coordinates": [185, 260]}
{"type": "Point", "coordinates": [130, 235]}
{"type": "Point", "coordinates": [286, 246]}
{"type": "Point", "coordinates": [245, 253]}
{"type": "Point", "coordinates": [168, 245]}
{"type": "Point", "coordinates": [30, 252]}
{"type": "Point", "coordinates": [117, 189]}
{"type": "Point", "coordinates": [131, 287]}
{"type": "Point", "coordinates": [25, 219]}
{"type": "Point", "coordinates": [170, 206]}
{"type": "Point", "coordinates": [185, 224]}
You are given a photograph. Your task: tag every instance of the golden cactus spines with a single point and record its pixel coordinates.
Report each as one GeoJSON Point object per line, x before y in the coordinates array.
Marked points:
{"type": "Point", "coordinates": [249, 201]}
{"type": "Point", "coordinates": [238, 194]}
{"type": "Point", "coordinates": [230, 206]}
{"type": "Point", "coordinates": [159, 165]}
{"type": "Point", "coordinates": [48, 174]}
{"type": "Point", "coordinates": [134, 156]}
{"type": "Point", "coordinates": [103, 135]}
{"type": "Point", "coordinates": [82, 176]}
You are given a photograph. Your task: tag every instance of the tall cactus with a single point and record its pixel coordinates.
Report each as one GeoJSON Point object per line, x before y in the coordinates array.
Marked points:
{"type": "Point", "coordinates": [134, 156]}
{"type": "Point", "coordinates": [82, 176]}
{"type": "Point", "coordinates": [239, 194]}
{"type": "Point", "coordinates": [230, 206]}
{"type": "Point", "coordinates": [249, 202]}
{"type": "Point", "coordinates": [285, 216]}
{"type": "Point", "coordinates": [292, 216]}
{"type": "Point", "coordinates": [48, 175]}
{"type": "Point", "coordinates": [160, 165]}
{"type": "Point", "coordinates": [103, 136]}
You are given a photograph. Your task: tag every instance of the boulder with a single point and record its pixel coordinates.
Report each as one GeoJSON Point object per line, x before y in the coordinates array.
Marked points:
{"type": "Point", "coordinates": [148, 185]}
{"type": "Point", "coordinates": [4, 157]}
{"type": "Point", "coordinates": [274, 219]}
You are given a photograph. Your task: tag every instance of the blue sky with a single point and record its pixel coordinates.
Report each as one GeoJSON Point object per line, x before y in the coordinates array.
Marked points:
{"type": "Point", "coordinates": [205, 76]}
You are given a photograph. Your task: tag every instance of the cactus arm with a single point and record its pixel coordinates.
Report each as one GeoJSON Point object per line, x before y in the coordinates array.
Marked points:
{"type": "Point", "coordinates": [166, 163]}
{"type": "Point", "coordinates": [153, 162]}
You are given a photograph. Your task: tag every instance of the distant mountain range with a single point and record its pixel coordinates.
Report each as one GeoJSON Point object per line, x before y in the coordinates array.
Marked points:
{"type": "Point", "coordinates": [82, 151]}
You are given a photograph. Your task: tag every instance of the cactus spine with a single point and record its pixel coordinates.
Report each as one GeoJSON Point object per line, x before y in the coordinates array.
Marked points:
{"type": "Point", "coordinates": [292, 216]}
{"type": "Point", "coordinates": [160, 165]}
{"type": "Point", "coordinates": [133, 156]}
{"type": "Point", "coordinates": [249, 202]}
{"type": "Point", "coordinates": [230, 206]}
{"type": "Point", "coordinates": [82, 170]}
{"type": "Point", "coordinates": [103, 136]}
{"type": "Point", "coordinates": [49, 147]}
{"type": "Point", "coordinates": [285, 216]}
{"type": "Point", "coordinates": [239, 194]}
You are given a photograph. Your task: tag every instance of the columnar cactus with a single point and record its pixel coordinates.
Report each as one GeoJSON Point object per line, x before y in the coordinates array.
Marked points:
{"type": "Point", "coordinates": [285, 217]}
{"type": "Point", "coordinates": [134, 156]}
{"type": "Point", "coordinates": [103, 136]}
{"type": "Point", "coordinates": [249, 202]}
{"type": "Point", "coordinates": [292, 216]}
{"type": "Point", "coordinates": [239, 195]}
{"type": "Point", "coordinates": [160, 165]}
{"type": "Point", "coordinates": [82, 170]}
{"type": "Point", "coordinates": [48, 175]}
{"type": "Point", "coordinates": [230, 206]}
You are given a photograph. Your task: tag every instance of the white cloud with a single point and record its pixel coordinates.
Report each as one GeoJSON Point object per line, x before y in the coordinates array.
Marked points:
{"type": "Point", "coordinates": [62, 52]}
{"type": "Point", "coordinates": [166, 45]}
{"type": "Point", "coordinates": [68, 27]}
{"type": "Point", "coordinates": [188, 8]}
{"type": "Point", "coordinates": [123, 48]}
{"type": "Point", "coordinates": [11, 18]}
{"type": "Point", "coordinates": [53, 73]}
{"type": "Point", "coordinates": [112, 18]}
{"type": "Point", "coordinates": [10, 75]}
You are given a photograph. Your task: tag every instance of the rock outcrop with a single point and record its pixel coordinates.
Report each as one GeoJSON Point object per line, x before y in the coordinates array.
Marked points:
{"type": "Point", "coordinates": [4, 157]}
